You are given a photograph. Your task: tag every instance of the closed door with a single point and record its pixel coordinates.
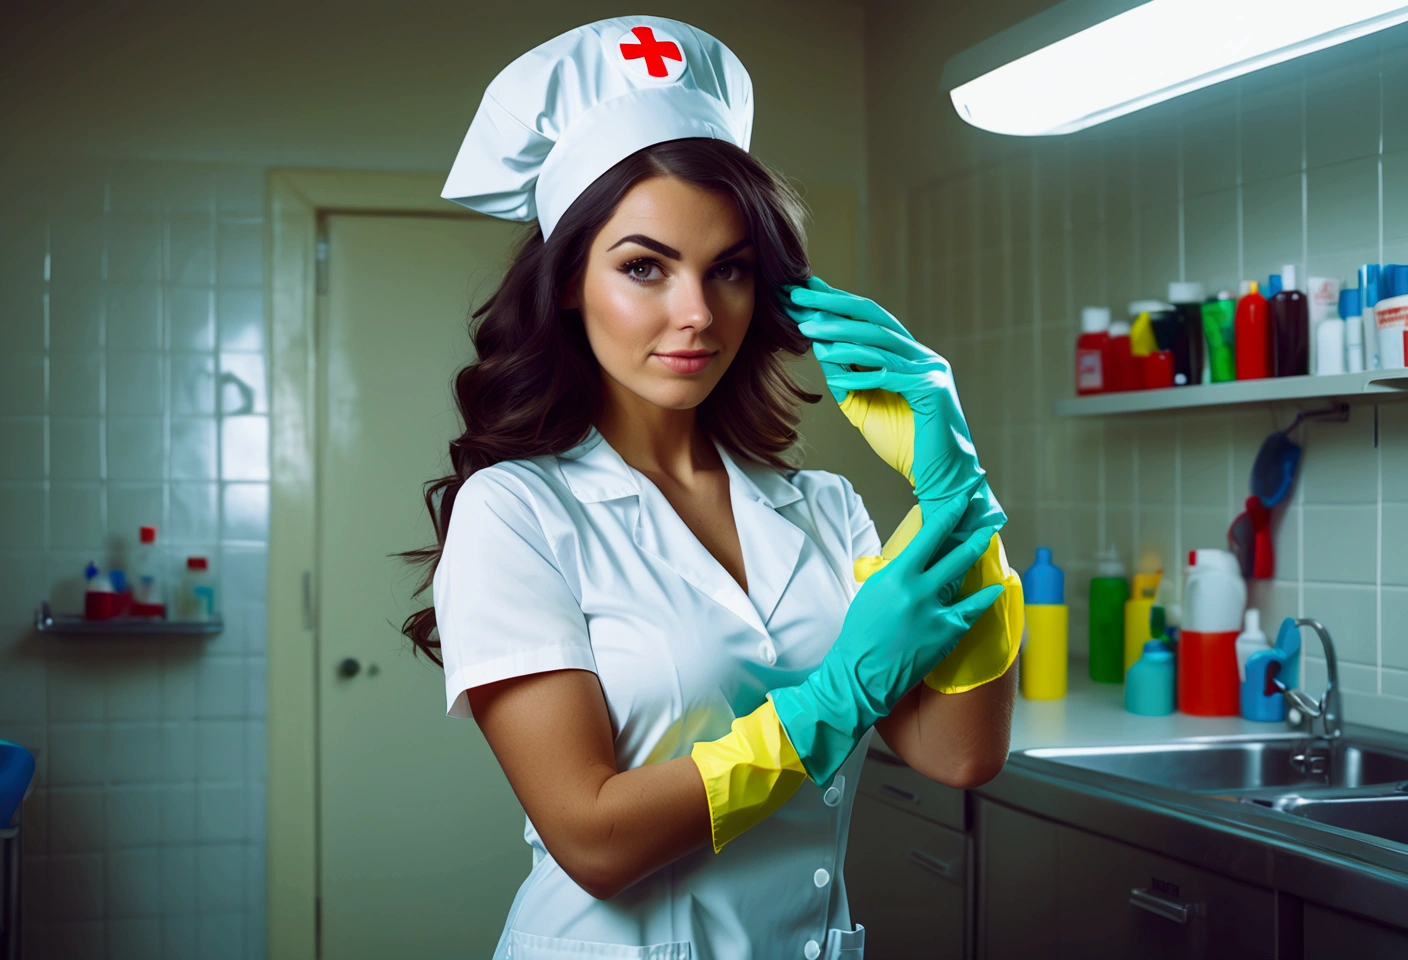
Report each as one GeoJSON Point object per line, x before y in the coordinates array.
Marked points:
{"type": "Point", "coordinates": [420, 838]}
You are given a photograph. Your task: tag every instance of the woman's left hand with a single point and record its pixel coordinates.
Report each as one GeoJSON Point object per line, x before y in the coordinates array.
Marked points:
{"type": "Point", "coordinates": [906, 405]}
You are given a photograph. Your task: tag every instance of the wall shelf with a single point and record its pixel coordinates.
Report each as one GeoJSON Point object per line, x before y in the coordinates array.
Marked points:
{"type": "Point", "coordinates": [46, 622]}
{"type": "Point", "coordinates": [1351, 387]}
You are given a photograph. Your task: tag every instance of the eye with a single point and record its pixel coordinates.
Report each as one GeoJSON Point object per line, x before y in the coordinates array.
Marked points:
{"type": "Point", "coordinates": [732, 270]}
{"type": "Point", "coordinates": [643, 270]}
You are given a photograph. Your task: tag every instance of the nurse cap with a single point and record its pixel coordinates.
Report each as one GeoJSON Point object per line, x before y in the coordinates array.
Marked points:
{"type": "Point", "coordinates": [570, 109]}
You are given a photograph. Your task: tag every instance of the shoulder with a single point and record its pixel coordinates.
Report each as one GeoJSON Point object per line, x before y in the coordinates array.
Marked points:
{"type": "Point", "coordinates": [824, 486]}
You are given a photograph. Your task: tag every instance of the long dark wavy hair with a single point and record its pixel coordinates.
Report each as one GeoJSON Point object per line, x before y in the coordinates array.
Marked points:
{"type": "Point", "coordinates": [535, 388]}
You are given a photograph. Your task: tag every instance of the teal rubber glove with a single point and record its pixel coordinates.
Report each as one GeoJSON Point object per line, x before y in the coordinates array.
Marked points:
{"type": "Point", "coordinates": [896, 631]}
{"type": "Point", "coordinates": [907, 406]}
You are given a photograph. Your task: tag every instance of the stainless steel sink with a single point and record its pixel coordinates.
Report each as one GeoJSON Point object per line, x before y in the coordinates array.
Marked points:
{"type": "Point", "coordinates": [1231, 764]}
{"type": "Point", "coordinates": [1383, 815]}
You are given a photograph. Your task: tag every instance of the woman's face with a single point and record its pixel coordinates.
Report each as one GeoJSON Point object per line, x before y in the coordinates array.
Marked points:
{"type": "Point", "coordinates": [667, 292]}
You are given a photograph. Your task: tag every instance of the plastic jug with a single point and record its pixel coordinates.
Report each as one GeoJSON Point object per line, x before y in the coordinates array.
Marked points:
{"type": "Point", "coordinates": [1149, 685]}
{"type": "Point", "coordinates": [1214, 593]}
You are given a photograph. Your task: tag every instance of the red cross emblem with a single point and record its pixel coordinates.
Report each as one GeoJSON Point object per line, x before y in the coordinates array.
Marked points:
{"type": "Point", "coordinates": [654, 52]}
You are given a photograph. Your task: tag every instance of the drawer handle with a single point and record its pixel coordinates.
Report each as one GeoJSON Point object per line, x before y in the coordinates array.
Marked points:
{"type": "Point", "coordinates": [899, 794]}
{"type": "Point", "coordinates": [948, 869]}
{"type": "Point", "coordinates": [1146, 899]}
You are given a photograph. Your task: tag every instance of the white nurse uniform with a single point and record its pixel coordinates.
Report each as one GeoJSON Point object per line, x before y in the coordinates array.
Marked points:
{"type": "Point", "coordinates": [577, 561]}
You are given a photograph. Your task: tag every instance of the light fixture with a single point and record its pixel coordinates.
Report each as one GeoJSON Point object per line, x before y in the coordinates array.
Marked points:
{"type": "Point", "coordinates": [1082, 62]}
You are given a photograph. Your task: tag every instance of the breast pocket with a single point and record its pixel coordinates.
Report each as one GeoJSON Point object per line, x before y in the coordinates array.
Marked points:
{"type": "Point", "coordinates": [845, 944]}
{"type": "Point", "coordinates": [523, 946]}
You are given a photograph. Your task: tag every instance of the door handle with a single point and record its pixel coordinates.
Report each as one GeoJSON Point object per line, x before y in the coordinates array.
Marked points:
{"type": "Point", "coordinates": [891, 790]}
{"type": "Point", "coordinates": [948, 869]}
{"type": "Point", "coordinates": [1146, 899]}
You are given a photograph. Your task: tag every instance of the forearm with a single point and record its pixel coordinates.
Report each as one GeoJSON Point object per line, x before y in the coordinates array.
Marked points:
{"type": "Point", "coordinates": [630, 824]}
{"type": "Point", "coordinates": [958, 739]}
{"type": "Point", "coordinates": [551, 733]}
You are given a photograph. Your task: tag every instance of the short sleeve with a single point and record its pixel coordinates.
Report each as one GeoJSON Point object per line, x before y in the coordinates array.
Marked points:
{"type": "Point", "coordinates": [502, 606]}
{"type": "Point", "coordinates": [865, 542]}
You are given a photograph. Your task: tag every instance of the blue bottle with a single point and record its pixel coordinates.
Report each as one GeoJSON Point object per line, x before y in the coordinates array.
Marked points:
{"type": "Point", "coordinates": [1150, 683]}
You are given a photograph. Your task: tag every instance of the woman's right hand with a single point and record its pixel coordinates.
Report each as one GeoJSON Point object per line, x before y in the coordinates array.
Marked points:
{"type": "Point", "coordinates": [898, 628]}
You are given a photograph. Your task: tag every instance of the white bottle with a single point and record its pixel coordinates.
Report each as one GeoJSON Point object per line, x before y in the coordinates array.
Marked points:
{"type": "Point", "coordinates": [196, 600]}
{"type": "Point", "coordinates": [1354, 343]}
{"type": "Point", "coordinates": [1329, 347]}
{"type": "Point", "coordinates": [147, 586]}
{"type": "Point", "coordinates": [1249, 641]}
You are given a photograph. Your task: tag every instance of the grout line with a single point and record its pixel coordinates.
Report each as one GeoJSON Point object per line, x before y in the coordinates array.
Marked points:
{"type": "Point", "coordinates": [1237, 181]}
{"type": "Point", "coordinates": [1182, 213]}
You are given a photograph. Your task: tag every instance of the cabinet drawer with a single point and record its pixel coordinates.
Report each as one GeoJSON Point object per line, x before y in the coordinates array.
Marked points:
{"type": "Point", "coordinates": [907, 881]}
{"type": "Point", "coordinates": [891, 781]}
{"type": "Point", "coordinates": [1118, 900]}
{"type": "Point", "coordinates": [1328, 932]}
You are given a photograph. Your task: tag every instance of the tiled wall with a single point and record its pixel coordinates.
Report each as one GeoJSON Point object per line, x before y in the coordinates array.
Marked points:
{"type": "Point", "coordinates": [1305, 163]}
{"type": "Point", "coordinates": [133, 391]}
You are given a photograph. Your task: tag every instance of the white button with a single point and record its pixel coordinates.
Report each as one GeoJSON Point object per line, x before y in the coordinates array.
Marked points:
{"type": "Point", "coordinates": [821, 878]}
{"type": "Point", "coordinates": [832, 796]}
{"type": "Point", "coordinates": [812, 950]}
{"type": "Point", "coordinates": [768, 652]}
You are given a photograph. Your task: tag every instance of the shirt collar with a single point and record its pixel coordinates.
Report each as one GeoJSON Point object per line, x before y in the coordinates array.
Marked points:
{"type": "Point", "coordinates": [595, 472]}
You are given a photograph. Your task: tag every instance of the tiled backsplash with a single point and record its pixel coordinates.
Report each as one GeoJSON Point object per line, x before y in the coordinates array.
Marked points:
{"type": "Point", "coordinates": [1305, 163]}
{"type": "Point", "coordinates": [133, 391]}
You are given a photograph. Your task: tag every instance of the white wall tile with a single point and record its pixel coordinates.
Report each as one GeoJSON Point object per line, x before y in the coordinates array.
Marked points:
{"type": "Point", "coordinates": [220, 875]}
{"type": "Point", "coordinates": [220, 750]}
{"type": "Point", "coordinates": [22, 515]}
{"type": "Point", "coordinates": [22, 382]}
{"type": "Point", "coordinates": [222, 936]}
{"type": "Point", "coordinates": [77, 823]}
{"type": "Point", "coordinates": [134, 883]}
{"type": "Point", "coordinates": [134, 817]}
{"type": "Point", "coordinates": [136, 448]}
{"type": "Point", "coordinates": [75, 888]}
{"type": "Point", "coordinates": [195, 517]}
{"type": "Point", "coordinates": [133, 505]}
{"type": "Point", "coordinates": [136, 385]}
{"type": "Point", "coordinates": [1343, 205]}
{"type": "Point", "coordinates": [193, 450]}
{"type": "Point", "coordinates": [1349, 613]}
{"type": "Point", "coordinates": [192, 384]}
{"type": "Point", "coordinates": [76, 448]}
{"type": "Point", "coordinates": [134, 752]}
{"type": "Point", "coordinates": [75, 383]}
{"type": "Point", "coordinates": [240, 315]}
{"type": "Point", "coordinates": [178, 813]}
{"type": "Point", "coordinates": [190, 317]}
{"type": "Point", "coordinates": [134, 248]}
{"type": "Point", "coordinates": [178, 874]}
{"type": "Point", "coordinates": [134, 938]}
{"type": "Point", "coordinates": [1340, 543]}
{"type": "Point", "coordinates": [221, 688]}
{"type": "Point", "coordinates": [189, 250]}
{"type": "Point", "coordinates": [245, 514]}
{"type": "Point", "coordinates": [220, 812]}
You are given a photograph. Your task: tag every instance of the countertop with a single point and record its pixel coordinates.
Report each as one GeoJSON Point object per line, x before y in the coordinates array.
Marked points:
{"type": "Point", "coordinates": [1093, 714]}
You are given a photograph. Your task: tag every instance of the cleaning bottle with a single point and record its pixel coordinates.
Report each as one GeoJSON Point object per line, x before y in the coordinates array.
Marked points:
{"type": "Point", "coordinates": [1351, 314]}
{"type": "Point", "coordinates": [1187, 299]}
{"type": "Point", "coordinates": [1136, 615]}
{"type": "Point", "coordinates": [1250, 640]}
{"type": "Point", "coordinates": [1093, 359]}
{"type": "Point", "coordinates": [1219, 329]}
{"type": "Point", "coordinates": [1253, 334]}
{"type": "Point", "coordinates": [1121, 357]}
{"type": "Point", "coordinates": [1290, 328]}
{"type": "Point", "coordinates": [148, 595]}
{"type": "Point", "coordinates": [1043, 669]}
{"type": "Point", "coordinates": [1149, 686]}
{"type": "Point", "coordinates": [1108, 592]}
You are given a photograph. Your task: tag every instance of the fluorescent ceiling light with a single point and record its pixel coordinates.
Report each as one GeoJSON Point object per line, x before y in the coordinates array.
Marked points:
{"type": "Point", "coordinates": [1143, 55]}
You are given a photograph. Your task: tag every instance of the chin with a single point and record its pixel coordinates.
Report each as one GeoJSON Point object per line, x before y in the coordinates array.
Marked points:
{"type": "Point", "coordinates": [679, 396]}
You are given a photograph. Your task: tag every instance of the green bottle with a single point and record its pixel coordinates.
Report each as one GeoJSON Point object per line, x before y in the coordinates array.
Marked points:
{"type": "Point", "coordinates": [1108, 592]}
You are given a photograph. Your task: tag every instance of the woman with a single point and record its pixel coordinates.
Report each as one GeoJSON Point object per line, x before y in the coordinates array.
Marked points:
{"type": "Point", "coordinates": [655, 620]}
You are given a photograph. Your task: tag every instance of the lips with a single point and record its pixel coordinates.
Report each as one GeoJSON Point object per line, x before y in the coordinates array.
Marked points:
{"type": "Point", "coordinates": [686, 361]}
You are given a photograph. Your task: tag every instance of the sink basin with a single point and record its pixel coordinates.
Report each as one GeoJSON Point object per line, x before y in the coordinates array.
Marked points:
{"type": "Point", "coordinates": [1379, 816]}
{"type": "Point", "coordinates": [1220, 765]}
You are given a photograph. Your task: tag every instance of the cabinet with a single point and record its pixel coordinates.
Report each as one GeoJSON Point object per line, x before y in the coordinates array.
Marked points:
{"type": "Point", "coordinates": [1047, 890]}
{"type": "Point", "coordinates": [1330, 933]}
{"type": "Point", "coordinates": [909, 864]}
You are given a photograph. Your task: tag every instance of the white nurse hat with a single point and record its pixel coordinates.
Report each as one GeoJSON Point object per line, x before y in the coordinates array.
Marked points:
{"type": "Point", "coordinates": [570, 109]}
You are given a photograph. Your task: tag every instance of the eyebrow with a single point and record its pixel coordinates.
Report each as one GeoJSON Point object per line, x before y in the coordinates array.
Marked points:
{"type": "Point", "coordinates": [665, 250]}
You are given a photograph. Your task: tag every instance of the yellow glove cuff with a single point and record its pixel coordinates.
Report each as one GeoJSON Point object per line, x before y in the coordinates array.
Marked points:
{"type": "Point", "coordinates": [887, 423]}
{"type": "Point", "coordinates": [988, 649]}
{"type": "Point", "coordinates": [748, 773]}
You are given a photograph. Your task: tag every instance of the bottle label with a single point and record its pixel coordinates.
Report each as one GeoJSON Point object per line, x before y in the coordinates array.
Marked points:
{"type": "Point", "coordinates": [1090, 370]}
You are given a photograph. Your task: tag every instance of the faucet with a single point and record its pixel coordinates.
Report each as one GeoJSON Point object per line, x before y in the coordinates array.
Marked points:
{"type": "Point", "coordinates": [1327, 709]}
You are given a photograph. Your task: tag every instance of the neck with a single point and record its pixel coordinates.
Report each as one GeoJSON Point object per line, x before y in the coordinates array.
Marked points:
{"type": "Point", "coordinates": [653, 439]}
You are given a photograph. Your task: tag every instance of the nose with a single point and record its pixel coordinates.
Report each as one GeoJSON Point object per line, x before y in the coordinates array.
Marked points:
{"type": "Point", "coordinates": [689, 308]}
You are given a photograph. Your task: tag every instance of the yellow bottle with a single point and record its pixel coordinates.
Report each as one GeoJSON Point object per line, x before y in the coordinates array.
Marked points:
{"type": "Point", "coordinates": [1043, 672]}
{"type": "Point", "coordinates": [1136, 615]}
